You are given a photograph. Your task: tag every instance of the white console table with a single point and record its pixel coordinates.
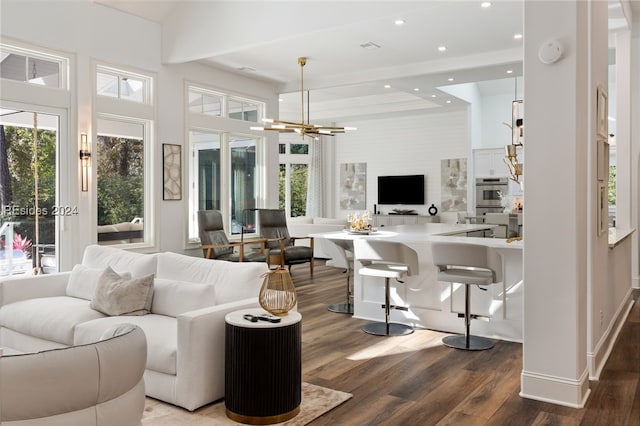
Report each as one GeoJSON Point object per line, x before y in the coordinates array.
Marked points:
{"type": "Point", "coordinates": [380, 220]}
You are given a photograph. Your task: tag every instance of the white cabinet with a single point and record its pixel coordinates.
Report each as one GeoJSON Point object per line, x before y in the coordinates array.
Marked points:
{"type": "Point", "coordinates": [489, 163]}
{"type": "Point", "coordinates": [380, 220]}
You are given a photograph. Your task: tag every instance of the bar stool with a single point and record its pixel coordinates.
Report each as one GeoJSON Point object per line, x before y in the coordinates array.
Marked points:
{"type": "Point", "coordinates": [386, 259]}
{"type": "Point", "coordinates": [468, 264]}
{"type": "Point", "coordinates": [342, 257]}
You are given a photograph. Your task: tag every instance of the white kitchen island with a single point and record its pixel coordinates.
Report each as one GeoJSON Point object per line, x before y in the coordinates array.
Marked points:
{"type": "Point", "coordinates": [435, 305]}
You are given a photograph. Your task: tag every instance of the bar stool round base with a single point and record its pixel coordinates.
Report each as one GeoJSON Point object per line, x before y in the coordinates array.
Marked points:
{"type": "Point", "coordinates": [341, 308]}
{"type": "Point", "coordinates": [476, 343]}
{"type": "Point", "coordinates": [392, 329]}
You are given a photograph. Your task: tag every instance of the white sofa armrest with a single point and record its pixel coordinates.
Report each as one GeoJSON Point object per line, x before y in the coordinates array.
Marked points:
{"type": "Point", "coordinates": [201, 349]}
{"type": "Point", "coordinates": [31, 287]}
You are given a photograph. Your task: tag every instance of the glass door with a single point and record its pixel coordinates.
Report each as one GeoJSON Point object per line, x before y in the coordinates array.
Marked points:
{"type": "Point", "coordinates": [29, 192]}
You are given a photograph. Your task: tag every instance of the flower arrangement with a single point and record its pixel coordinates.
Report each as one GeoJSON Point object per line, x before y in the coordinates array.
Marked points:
{"type": "Point", "coordinates": [20, 244]}
{"type": "Point", "coordinates": [359, 221]}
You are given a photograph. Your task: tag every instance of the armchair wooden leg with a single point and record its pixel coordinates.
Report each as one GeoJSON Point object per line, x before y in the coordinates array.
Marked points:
{"type": "Point", "coordinates": [311, 266]}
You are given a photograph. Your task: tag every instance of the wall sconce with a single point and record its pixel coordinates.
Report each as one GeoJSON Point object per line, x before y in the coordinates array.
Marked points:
{"type": "Point", "coordinates": [85, 156]}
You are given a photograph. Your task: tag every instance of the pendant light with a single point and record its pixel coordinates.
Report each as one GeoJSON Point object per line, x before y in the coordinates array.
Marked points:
{"type": "Point", "coordinates": [302, 128]}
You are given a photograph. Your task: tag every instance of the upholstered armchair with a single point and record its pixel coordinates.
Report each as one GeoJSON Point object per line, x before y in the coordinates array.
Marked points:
{"type": "Point", "coordinates": [216, 245]}
{"type": "Point", "coordinates": [281, 245]}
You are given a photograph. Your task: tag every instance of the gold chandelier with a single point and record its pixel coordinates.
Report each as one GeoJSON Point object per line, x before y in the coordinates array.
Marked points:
{"type": "Point", "coordinates": [302, 128]}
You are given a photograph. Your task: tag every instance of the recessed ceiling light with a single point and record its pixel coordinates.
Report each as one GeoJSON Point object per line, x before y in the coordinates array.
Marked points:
{"type": "Point", "coordinates": [399, 21]}
{"type": "Point", "coordinates": [517, 36]}
{"type": "Point", "coordinates": [485, 4]}
{"type": "Point", "coordinates": [442, 48]}
{"type": "Point", "coordinates": [449, 101]}
{"type": "Point", "coordinates": [433, 96]}
{"type": "Point", "coordinates": [416, 89]}
{"type": "Point", "coordinates": [450, 79]}
{"type": "Point", "coordinates": [387, 86]}
{"type": "Point", "coordinates": [509, 71]}
{"type": "Point", "coordinates": [280, 99]}
{"type": "Point", "coordinates": [370, 45]}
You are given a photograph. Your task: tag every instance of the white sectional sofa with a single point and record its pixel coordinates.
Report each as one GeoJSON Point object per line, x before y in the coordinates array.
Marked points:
{"type": "Point", "coordinates": [97, 384]}
{"type": "Point", "coordinates": [303, 226]}
{"type": "Point", "coordinates": [184, 329]}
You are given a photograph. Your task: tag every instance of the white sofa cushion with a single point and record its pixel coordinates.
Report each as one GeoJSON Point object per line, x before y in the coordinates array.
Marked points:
{"type": "Point", "coordinates": [83, 281]}
{"type": "Point", "coordinates": [161, 332]}
{"type": "Point", "coordinates": [171, 297]}
{"type": "Point", "coordinates": [233, 281]}
{"type": "Point", "coordinates": [49, 318]}
{"type": "Point", "coordinates": [121, 261]}
{"type": "Point", "coordinates": [115, 295]}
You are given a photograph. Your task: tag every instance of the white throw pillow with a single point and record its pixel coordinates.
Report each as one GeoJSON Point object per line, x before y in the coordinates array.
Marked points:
{"type": "Point", "coordinates": [83, 281]}
{"type": "Point", "coordinates": [173, 298]}
{"type": "Point", "coordinates": [116, 295]}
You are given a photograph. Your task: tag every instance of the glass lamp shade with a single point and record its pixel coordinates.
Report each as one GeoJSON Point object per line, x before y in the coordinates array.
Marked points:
{"type": "Point", "coordinates": [278, 294]}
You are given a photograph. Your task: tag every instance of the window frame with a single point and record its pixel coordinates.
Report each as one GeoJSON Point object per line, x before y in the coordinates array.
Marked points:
{"type": "Point", "coordinates": [226, 127]}
{"type": "Point", "coordinates": [63, 64]}
{"type": "Point", "coordinates": [288, 160]}
{"type": "Point", "coordinates": [126, 110]}
{"type": "Point", "coordinates": [121, 74]}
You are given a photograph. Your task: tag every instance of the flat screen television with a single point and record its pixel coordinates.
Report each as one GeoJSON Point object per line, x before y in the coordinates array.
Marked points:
{"type": "Point", "coordinates": [405, 189]}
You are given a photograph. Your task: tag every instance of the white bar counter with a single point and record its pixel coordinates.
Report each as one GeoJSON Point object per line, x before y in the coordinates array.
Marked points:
{"type": "Point", "coordinates": [435, 305]}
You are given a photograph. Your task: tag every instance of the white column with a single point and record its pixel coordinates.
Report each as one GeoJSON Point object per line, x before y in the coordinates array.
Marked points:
{"type": "Point", "coordinates": [561, 186]}
{"type": "Point", "coordinates": [623, 129]}
{"type": "Point", "coordinates": [635, 160]}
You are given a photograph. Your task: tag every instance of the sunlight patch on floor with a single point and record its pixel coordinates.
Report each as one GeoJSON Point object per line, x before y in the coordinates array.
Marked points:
{"type": "Point", "coordinates": [391, 346]}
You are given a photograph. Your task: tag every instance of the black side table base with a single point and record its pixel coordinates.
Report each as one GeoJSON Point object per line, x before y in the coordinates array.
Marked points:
{"type": "Point", "coordinates": [268, 420]}
{"type": "Point", "coordinates": [391, 329]}
{"type": "Point", "coordinates": [476, 343]}
{"type": "Point", "coordinates": [341, 308]}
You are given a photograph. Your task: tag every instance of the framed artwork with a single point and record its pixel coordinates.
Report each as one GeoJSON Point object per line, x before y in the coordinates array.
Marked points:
{"type": "Point", "coordinates": [453, 181]}
{"type": "Point", "coordinates": [603, 160]}
{"type": "Point", "coordinates": [171, 171]}
{"type": "Point", "coordinates": [353, 186]}
{"type": "Point", "coordinates": [602, 115]}
{"type": "Point", "coordinates": [603, 208]}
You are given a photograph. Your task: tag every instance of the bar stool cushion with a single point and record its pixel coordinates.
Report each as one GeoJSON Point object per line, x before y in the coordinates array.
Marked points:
{"type": "Point", "coordinates": [467, 276]}
{"type": "Point", "coordinates": [384, 270]}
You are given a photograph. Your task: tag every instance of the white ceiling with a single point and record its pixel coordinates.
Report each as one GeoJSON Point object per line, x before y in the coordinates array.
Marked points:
{"type": "Point", "coordinates": [345, 81]}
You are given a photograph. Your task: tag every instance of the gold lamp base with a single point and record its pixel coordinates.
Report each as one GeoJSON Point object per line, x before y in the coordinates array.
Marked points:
{"type": "Point", "coordinates": [278, 294]}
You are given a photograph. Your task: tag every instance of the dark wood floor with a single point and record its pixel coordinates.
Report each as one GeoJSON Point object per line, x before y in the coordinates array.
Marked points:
{"type": "Point", "coordinates": [415, 380]}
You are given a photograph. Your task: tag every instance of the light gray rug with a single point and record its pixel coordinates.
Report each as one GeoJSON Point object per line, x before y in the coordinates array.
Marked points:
{"type": "Point", "coordinates": [316, 400]}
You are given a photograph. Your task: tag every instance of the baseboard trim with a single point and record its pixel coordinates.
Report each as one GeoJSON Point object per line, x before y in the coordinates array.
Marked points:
{"type": "Point", "coordinates": [556, 390]}
{"type": "Point", "coordinates": [598, 358]}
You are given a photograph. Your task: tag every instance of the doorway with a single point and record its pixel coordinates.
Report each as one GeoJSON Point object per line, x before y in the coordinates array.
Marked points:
{"type": "Point", "coordinates": [29, 192]}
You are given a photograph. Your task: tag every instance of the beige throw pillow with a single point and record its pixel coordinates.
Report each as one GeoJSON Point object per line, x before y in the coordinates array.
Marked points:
{"type": "Point", "coordinates": [116, 295]}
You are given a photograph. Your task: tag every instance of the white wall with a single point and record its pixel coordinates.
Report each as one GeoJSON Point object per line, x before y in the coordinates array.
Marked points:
{"type": "Point", "coordinates": [414, 144]}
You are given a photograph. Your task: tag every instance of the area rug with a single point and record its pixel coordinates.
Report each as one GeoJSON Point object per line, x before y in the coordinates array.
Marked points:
{"type": "Point", "coordinates": [316, 400]}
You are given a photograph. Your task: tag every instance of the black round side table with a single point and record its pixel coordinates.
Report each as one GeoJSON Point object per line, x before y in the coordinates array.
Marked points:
{"type": "Point", "coordinates": [263, 368]}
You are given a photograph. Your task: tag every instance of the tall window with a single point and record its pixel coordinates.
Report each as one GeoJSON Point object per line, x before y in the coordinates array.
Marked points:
{"type": "Point", "coordinates": [205, 175]}
{"type": "Point", "coordinates": [28, 166]}
{"type": "Point", "coordinates": [223, 164]}
{"type": "Point", "coordinates": [122, 156]}
{"type": "Point", "coordinates": [294, 167]}
{"type": "Point", "coordinates": [243, 182]}
{"type": "Point", "coordinates": [120, 173]}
